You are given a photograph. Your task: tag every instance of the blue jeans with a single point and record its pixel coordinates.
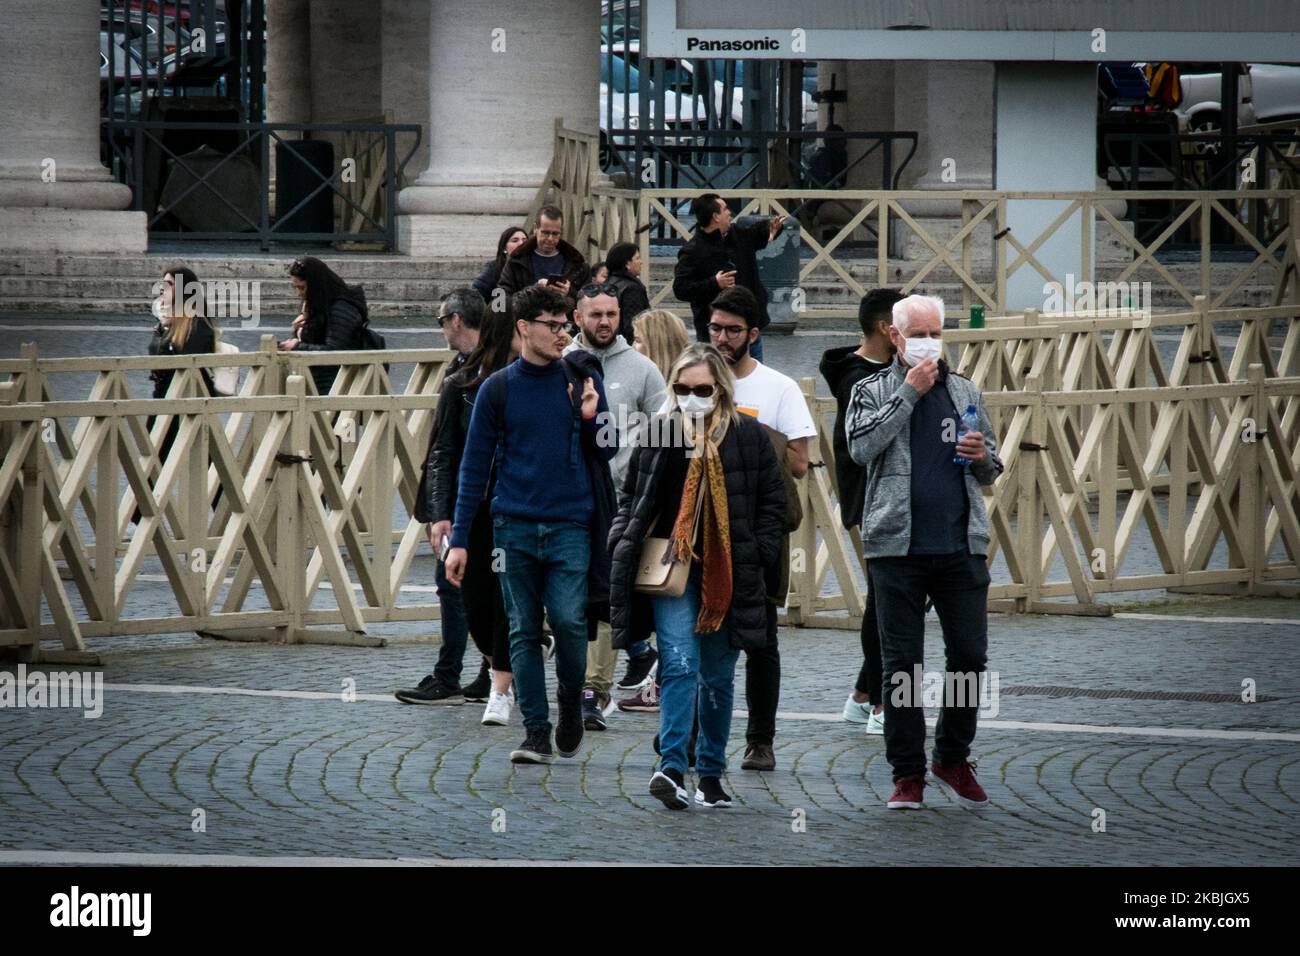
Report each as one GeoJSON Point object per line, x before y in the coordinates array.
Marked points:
{"type": "Point", "coordinates": [695, 670]}
{"type": "Point", "coordinates": [545, 568]}
{"type": "Point", "coordinates": [455, 629]}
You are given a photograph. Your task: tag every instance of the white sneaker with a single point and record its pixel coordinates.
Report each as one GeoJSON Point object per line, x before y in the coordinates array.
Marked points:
{"type": "Point", "coordinates": [497, 712]}
{"type": "Point", "coordinates": [876, 725]}
{"type": "Point", "coordinates": [856, 713]}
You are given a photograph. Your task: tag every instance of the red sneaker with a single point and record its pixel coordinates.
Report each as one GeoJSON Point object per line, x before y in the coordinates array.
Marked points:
{"type": "Point", "coordinates": [958, 781]}
{"type": "Point", "coordinates": [907, 793]}
{"type": "Point", "coordinates": [645, 702]}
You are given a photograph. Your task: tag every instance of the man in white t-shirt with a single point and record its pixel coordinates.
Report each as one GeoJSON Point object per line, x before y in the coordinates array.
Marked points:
{"type": "Point", "coordinates": [776, 401]}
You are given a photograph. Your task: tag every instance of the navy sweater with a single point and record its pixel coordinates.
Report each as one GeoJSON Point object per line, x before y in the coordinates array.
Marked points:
{"type": "Point", "coordinates": [542, 475]}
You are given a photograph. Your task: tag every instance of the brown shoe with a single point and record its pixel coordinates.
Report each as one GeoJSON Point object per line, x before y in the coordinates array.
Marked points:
{"type": "Point", "coordinates": [759, 757]}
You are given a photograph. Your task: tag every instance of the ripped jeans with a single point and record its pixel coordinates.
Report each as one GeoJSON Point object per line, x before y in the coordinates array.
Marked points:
{"type": "Point", "coordinates": [694, 670]}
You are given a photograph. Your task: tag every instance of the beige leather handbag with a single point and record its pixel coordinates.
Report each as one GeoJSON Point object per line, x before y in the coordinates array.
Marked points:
{"type": "Point", "coordinates": [659, 574]}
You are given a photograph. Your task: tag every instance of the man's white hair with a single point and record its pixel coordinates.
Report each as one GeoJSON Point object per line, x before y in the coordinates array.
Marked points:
{"type": "Point", "coordinates": [915, 306]}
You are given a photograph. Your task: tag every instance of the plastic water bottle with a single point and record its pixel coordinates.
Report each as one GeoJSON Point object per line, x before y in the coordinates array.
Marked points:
{"type": "Point", "coordinates": [969, 422]}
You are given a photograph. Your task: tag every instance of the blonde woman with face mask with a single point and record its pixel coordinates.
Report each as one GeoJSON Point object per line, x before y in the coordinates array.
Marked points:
{"type": "Point", "coordinates": [702, 454]}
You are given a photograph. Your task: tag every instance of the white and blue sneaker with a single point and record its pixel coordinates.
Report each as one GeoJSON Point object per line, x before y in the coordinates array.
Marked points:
{"type": "Point", "coordinates": [856, 713]}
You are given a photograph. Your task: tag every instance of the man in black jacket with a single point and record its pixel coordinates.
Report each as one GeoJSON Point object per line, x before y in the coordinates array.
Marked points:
{"type": "Point", "coordinates": [546, 258]}
{"type": "Point", "coordinates": [719, 256]}
{"type": "Point", "coordinates": [459, 316]}
{"type": "Point", "coordinates": [844, 367]}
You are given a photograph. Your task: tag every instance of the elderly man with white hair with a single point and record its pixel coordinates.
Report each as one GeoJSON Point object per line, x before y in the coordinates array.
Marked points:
{"type": "Point", "coordinates": [926, 533]}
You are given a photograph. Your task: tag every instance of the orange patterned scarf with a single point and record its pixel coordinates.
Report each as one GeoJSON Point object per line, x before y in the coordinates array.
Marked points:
{"type": "Point", "coordinates": [704, 477]}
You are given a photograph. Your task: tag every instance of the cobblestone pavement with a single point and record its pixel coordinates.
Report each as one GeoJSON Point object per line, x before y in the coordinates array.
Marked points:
{"type": "Point", "coordinates": [296, 771]}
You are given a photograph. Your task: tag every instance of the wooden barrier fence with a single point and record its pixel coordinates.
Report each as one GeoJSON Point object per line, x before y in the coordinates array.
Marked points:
{"type": "Point", "coordinates": [264, 499]}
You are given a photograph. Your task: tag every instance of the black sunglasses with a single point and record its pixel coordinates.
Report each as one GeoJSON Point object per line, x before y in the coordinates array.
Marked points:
{"type": "Point", "coordinates": [700, 391]}
{"type": "Point", "coordinates": [593, 290]}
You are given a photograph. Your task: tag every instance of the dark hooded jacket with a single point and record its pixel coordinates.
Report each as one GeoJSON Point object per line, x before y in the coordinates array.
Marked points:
{"type": "Point", "coordinates": [842, 368]}
{"type": "Point", "coordinates": [755, 507]}
{"type": "Point", "coordinates": [517, 273]}
{"type": "Point", "coordinates": [339, 331]}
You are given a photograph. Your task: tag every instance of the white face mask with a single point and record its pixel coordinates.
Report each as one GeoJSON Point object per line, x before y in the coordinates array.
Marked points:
{"type": "Point", "coordinates": [920, 349]}
{"type": "Point", "coordinates": [694, 405]}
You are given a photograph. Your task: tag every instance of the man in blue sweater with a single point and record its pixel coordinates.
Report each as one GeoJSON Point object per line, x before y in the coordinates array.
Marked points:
{"type": "Point", "coordinates": [529, 425]}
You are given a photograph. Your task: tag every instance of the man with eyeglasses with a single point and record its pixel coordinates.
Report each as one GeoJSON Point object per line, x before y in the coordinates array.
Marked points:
{"type": "Point", "coordinates": [459, 316]}
{"type": "Point", "coordinates": [536, 429]}
{"type": "Point", "coordinates": [546, 259]}
{"type": "Point", "coordinates": [635, 388]}
{"type": "Point", "coordinates": [776, 401]}
{"type": "Point", "coordinates": [721, 256]}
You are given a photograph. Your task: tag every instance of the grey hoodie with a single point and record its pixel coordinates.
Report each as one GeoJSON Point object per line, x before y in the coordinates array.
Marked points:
{"type": "Point", "coordinates": [633, 384]}
{"type": "Point", "coordinates": [876, 426]}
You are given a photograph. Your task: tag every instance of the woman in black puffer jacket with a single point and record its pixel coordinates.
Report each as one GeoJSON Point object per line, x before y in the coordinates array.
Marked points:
{"type": "Point", "coordinates": [727, 459]}
{"type": "Point", "coordinates": [333, 315]}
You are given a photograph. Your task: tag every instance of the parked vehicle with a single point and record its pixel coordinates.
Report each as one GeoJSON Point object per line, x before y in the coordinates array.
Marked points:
{"type": "Point", "coordinates": [1266, 93]}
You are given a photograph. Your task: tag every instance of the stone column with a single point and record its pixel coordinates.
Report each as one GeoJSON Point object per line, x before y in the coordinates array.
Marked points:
{"type": "Point", "coordinates": [499, 75]}
{"type": "Point", "coordinates": [405, 75]}
{"type": "Point", "coordinates": [950, 105]}
{"type": "Point", "coordinates": [55, 194]}
{"type": "Point", "coordinates": [288, 61]}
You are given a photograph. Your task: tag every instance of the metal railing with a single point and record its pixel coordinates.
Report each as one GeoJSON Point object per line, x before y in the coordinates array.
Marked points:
{"type": "Point", "coordinates": [710, 158]}
{"type": "Point", "coordinates": [128, 141]}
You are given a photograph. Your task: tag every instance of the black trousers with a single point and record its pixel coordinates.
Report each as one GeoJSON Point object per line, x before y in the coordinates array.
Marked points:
{"type": "Point", "coordinates": [869, 677]}
{"type": "Point", "coordinates": [763, 685]}
{"type": "Point", "coordinates": [958, 584]}
{"type": "Point", "coordinates": [485, 610]}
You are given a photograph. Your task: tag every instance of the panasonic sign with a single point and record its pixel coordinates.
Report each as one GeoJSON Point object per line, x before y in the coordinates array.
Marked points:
{"type": "Point", "coordinates": [698, 45]}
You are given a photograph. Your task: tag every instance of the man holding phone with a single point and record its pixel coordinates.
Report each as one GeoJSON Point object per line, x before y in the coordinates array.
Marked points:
{"type": "Point", "coordinates": [721, 256]}
{"type": "Point", "coordinates": [546, 260]}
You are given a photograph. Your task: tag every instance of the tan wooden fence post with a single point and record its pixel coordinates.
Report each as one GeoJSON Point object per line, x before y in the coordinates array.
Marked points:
{"type": "Point", "coordinates": [1253, 511]}
{"type": "Point", "coordinates": [290, 538]}
{"type": "Point", "coordinates": [1029, 524]}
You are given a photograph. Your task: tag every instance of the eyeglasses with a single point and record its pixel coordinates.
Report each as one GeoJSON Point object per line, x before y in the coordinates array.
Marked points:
{"type": "Point", "coordinates": [593, 290]}
{"type": "Point", "coordinates": [730, 331]}
{"type": "Point", "coordinates": [557, 328]}
{"type": "Point", "coordinates": [700, 391]}
{"type": "Point", "coordinates": [444, 319]}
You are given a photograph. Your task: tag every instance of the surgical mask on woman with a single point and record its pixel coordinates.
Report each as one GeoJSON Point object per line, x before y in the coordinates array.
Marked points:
{"type": "Point", "coordinates": [918, 350]}
{"type": "Point", "coordinates": [694, 405]}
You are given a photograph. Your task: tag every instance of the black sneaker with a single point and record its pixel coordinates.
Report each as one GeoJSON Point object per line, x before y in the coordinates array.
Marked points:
{"type": "Point", "coordinates": [477, 690]}
{"type": "Point", "coordinates": [430, 691]}
{"type": "Point", "coordinates": [668, 787]}
{"type": "Point", "coordinates": [592, 716]}
{"type": "Point", "coordinates": [568, 732]}
{"type": "Point", "coordinates": [536, 748]}
{"type": "Point", "coordinates": [639, 670]}
{"type": "Point", "coordinates": [711, 794]}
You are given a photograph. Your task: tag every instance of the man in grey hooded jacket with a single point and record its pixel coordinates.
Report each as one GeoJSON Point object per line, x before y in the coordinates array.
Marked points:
{"type": "Point", "coordinates": [635, 390]}
{"type": "Point", "coordinates": [926, 532]}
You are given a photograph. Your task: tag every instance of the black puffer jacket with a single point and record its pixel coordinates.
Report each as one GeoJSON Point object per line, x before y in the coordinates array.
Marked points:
{"type": "Point", "coordinates": [755, 505]}
{"type": "Point", "coordinates": [340, 331]}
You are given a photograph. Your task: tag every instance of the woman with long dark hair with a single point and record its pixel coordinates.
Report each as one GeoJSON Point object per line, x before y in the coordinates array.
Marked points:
{"type": "Point", "coordinates": [333, 315]}
{"type": "Point", "coordinates": [717, 501]}
{"type": "Point", "coordinates": [498, 346]}
{"type": "Point", "coordinates": [624, 263]}
{"type": "Point", "coordinates": [510, 240]}
{"type": "Point", "coordinates": [183, 329]}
